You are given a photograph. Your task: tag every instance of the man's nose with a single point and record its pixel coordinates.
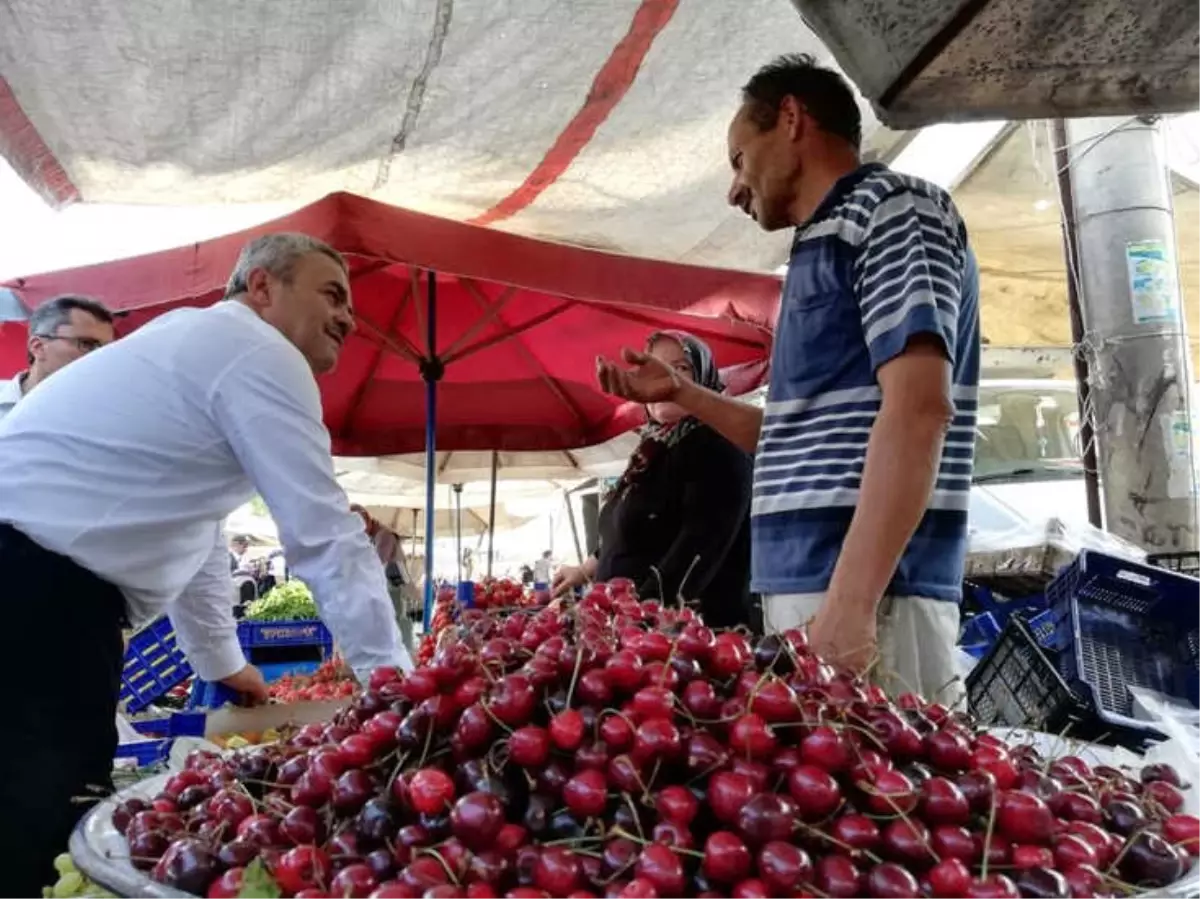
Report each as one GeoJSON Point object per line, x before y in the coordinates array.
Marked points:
{"type": "Point", "coordinates": [737, 194]}
{"type": "Point", "coordinates": [348, 320]}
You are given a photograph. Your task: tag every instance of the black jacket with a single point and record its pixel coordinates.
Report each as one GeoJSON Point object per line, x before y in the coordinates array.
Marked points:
{"type": "Point", "coordinates": [693, 501]}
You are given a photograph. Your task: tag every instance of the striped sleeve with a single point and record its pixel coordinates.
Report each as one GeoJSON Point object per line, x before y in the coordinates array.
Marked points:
{"type": "Point", "coordinates": [909, 274]}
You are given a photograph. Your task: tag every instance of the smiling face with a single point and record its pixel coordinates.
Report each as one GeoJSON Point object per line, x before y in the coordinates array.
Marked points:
{"type": "Point", "coordinates": [311, 308]}
{"type": "Point", "coordinates": [766, 164]}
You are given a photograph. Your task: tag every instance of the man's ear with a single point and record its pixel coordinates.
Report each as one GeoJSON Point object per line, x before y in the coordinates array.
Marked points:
{"type": "Point", "coordinates": [36, 347]}
{"type": "Point", "coordinates": [791, 115]}
{"type": "Point", "coordinates": [258, 289]}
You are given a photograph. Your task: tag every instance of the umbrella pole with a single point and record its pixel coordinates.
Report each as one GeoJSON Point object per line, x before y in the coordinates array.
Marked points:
{"type": "Point", "coordinates": [458, 528]}
{"type": "Point", "coordinates": [574, 527]}
{"type": "Point", "coordinates": [492, 512]}
{"type": "Point", "coordinates": [431, 371]}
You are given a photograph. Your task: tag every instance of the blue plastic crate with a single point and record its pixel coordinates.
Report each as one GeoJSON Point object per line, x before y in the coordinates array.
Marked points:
{"type": "Point", "coordinates": [305, 632]}
{"type": "Point", "coordinates": [177, 724]}
{"type": "Point", "coordinates": [979, 633]}
{"type": "Point", "coordinates": [1119, 625]}
{"type": "Point", "coordinates": [153, 665]}
{"type": "Point", "coordinates": [145, 752]}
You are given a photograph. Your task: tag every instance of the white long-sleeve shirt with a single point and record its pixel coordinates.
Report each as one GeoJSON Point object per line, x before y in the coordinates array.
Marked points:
{"type": "Point", "coordinates": [128, 460]}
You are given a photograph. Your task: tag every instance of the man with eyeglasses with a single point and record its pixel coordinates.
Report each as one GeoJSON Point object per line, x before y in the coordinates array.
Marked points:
{"type": "Point", "coordinates": [61, 330]}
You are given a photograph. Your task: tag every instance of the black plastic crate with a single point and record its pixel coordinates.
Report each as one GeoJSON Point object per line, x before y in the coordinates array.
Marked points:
{"type": "Point", "coordinates": [1016, 684]}
{"type": "Point", "coordinates": [1185, 563]}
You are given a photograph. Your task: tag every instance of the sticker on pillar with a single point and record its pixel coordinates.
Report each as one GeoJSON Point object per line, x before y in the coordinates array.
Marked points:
{"type": "Point", "coordinates": [1153, 282]}
{"type": "Point", "coordinates": [1180, 449]}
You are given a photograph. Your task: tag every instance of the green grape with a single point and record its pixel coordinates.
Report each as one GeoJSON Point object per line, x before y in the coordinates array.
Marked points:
{"type": "Point", "coordinates": [63, 863]}
{"type": "Point", "coordinates": [71, 884]}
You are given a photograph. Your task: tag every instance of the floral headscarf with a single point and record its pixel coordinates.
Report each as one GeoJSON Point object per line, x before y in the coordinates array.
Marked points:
{"type": "Point", "coordinates": [656, 436]}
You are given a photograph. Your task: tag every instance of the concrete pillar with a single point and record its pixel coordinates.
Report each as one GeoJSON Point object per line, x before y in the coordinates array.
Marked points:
{"type": "Point", "coordinates": [1134, 330]}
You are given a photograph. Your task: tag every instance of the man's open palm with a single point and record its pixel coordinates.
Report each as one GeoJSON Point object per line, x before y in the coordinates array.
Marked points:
{"type": "Point", "coordinates": [648, 380]}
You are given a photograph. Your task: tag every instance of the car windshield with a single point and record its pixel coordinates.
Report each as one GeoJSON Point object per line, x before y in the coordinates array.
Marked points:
{"type": "Point", "coordinates": [1027, 431]}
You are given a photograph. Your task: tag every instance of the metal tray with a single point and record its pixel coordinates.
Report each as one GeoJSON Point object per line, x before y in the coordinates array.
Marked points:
{"type": "Point", "coordinates": [100, 852]}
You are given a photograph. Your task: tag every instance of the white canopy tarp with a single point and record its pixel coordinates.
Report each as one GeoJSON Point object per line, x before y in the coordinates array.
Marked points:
{"type": "Point", "coordinates": [596, 122]}
{"type": "Point", "coordinates": [607, 459]}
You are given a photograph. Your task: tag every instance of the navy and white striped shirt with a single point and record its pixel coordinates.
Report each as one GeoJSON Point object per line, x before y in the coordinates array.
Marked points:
{"type": "Point", "coordinates": [883, 258]}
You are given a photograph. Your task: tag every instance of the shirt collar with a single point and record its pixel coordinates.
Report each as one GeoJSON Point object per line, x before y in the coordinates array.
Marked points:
{"type": "Point", "coordinates": [841, 187]}
{"type": "Point", "coordinates": [10, 390]}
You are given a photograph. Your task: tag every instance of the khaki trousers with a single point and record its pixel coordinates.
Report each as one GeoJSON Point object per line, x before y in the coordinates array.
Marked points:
{"type": "Point", "coordinates": [917, 641]}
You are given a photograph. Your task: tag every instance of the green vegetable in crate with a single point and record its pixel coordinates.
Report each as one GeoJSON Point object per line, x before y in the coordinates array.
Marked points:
{"type": "Point", "coordinates": [287, 602]}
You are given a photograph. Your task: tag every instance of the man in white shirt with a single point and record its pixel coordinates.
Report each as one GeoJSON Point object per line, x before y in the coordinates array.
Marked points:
{"type": "Point", "coordinates": [115, 477]}
{"type": "Point", "coordinates": [61, 330]}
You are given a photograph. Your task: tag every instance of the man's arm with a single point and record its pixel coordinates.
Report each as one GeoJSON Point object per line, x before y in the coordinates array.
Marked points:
{"type": "Point", "coordinates": [738, 422]}
{"type": "Point", "coordinates": [908, 282]}
{"type": "Point", "coordinates": [206, 629]}
{"type": "Point", "coordinates": [269, 409]}
{"type": "Point", "coordinates": [903, 453]}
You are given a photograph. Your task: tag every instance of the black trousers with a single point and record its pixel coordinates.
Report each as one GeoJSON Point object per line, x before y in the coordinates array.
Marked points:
{"type": "Point", "coordinates": [60, 668]}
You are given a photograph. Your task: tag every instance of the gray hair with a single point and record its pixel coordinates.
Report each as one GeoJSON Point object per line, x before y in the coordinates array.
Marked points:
{"type": "Point", "coordinates": [277, 254]}
{"type": "Point", "coordinates": [51, 315]}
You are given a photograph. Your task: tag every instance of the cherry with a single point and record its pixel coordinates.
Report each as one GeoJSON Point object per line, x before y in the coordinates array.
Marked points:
{"type": "Point", "coordinates": [766, 817]}
{"type": "Point", "coordinates": [529, 746]}
{"type": "Point", "coordinates": [889, 880]}
{"type": "Point", "coordinates": [586, 794]}
{"type": "Point", "coordinates": [838, 877]}
{"type": "Point", "coordinates": [662, 868]}
{"type": "Point", "coordinates": [616, 732]}
{"type": "Point", "coordinates": [188, 865]}
{"type": "Point", "coordinates": [237, 853]}
{"type": "Point", "coordinates": [312, 788]}
{"type": "Point", "coordinates": [1124, 817]}
{"type": "Point", "coordinates": [1042, 882]}
{"type": "Point", "coordinates": [1071, 850]}
{"type": "Point", "coordinates": [557, 871]}
{"type": "Point", "coordinates": [430, 791]}
{"type": "Point", "coordinates": [1032, 857]}
{"type": "Point", "coordinates": [891, 793]}
{"type": "Point", "coordinates": [775, 702]}
{"type": "Point", "coordinates": [657, 740]}
{"type": "Point", "coordinates": [856, 831]}
{"type": "Point", "coordinates": [228, 885]}
{"type": "Point", "coordinates": [476, 819]}
{"type": "Point", "coordinates": [949, 878]}
{"type": "Point", "coordinates": [353, 881]}
{"type": "Point", "coordinates": [1024, 818]}
{"type": "Point", "coordinates": [783, 867]}
{"type": "Point", "coordinates": [302, 868]}
{"type": "Point", "coordinates": [942, 802]}
{"type": "Point", "coordinates": [261, 830]}
{"type": "Point", "coordinates": [727, 793]}
{"type": "Point", "coordinates": [751, 888]}
{"type": "Point", "coordinates": [954, 842]}
{"type": "Point", "coordinates": [979, 787]}
{"type": "Point", "coordinates": [1150, 861]}
{"type": "Point", "coordinates": [677, 804]}
{"type": "Point", "coordinates": [726, 860]}
{"type": "Point", "coordinates": [1073, 806]}
{"type": "Point", "coordinates": [948, 751]}
{"type": "Point", "coordinates": [751, 738]}
{"type": "Point", "coordinates": [1084, 880]}
{"type": "Point", "coordinates": [826, 748]}
{"type": "Point", "coordinates": [996, 761]}
{"type": "Point", "coordinates": [994, 886]}
{"type": "Point", "coordinates": [358, 750]}
{"type": "Point", "coordinates": [625, 774]}
{"type": "Point", "coordinates": [624, 670]}
{"type": "Point", "coordinates": [700, 698]}
{"type": "Point", "coordinates": [352, 790]}
{"type": "Point", "coordinates": [908, 840]}
{"type": "Point", "coordinates": [638, 888]}
{"type": "Point", "coordinates": [475, 728]}
{"type": "Point", "coordinates": [1160, 771]}
{"type": "Point", "coordinates": [566, 730]}
{"type": "Point", "coordinates": [1183, 831]}
{"type": "Point", "coordinates": [814, 790]}
{"type": "Point", "coordinates": [1164, 794]}
{"type": "Point", "coordinates": [512, 700]}
{"type": "Point", "coordinates": [653, 702]}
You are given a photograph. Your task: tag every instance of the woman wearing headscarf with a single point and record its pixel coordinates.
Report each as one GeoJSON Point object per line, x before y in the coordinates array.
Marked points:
{"type": "Point", "coordinates": [677, 523]}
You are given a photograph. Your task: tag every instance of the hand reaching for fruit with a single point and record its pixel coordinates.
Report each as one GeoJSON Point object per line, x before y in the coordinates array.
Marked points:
{"type": "Point", "coordinates": [844, 634]}
{"type": "Point", "coordinates": [567, 579]}
{"type": "Point", "coordinates": [250, 684]}
{"type": "Point", "coordinates": [651, 380]}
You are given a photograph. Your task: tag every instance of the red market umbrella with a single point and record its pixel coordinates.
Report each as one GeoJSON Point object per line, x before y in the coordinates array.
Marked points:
{"type": "Point", "coordinates": [469, 338]}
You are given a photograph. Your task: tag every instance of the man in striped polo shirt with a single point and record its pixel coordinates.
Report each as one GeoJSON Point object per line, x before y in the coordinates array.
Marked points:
{"type": "Point", "coordinates": [865, 448]}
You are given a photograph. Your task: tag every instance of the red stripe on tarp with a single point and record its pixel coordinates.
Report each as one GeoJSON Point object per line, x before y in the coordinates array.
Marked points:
{"type": "Point", "coordinates": [608, 88]}
{"type": "Point", "coordinates": [23, 147]}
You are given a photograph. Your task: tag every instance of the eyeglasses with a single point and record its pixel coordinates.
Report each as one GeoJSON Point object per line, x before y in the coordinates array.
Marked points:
{"type": "Point", "coordinates": [83, 344]}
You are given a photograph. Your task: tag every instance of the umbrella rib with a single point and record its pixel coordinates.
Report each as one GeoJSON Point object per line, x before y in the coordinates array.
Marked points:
{"type": "Point", "coordinates": [361, 392]}
{"type": "Point", "coordinates": [514, 333]}
{"type": "Point", "coordinates": [493, 313]}
{"type": "Point", "coordinates": [397, 343]}
{"type": "Point", "coordinates": [414, 277]}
